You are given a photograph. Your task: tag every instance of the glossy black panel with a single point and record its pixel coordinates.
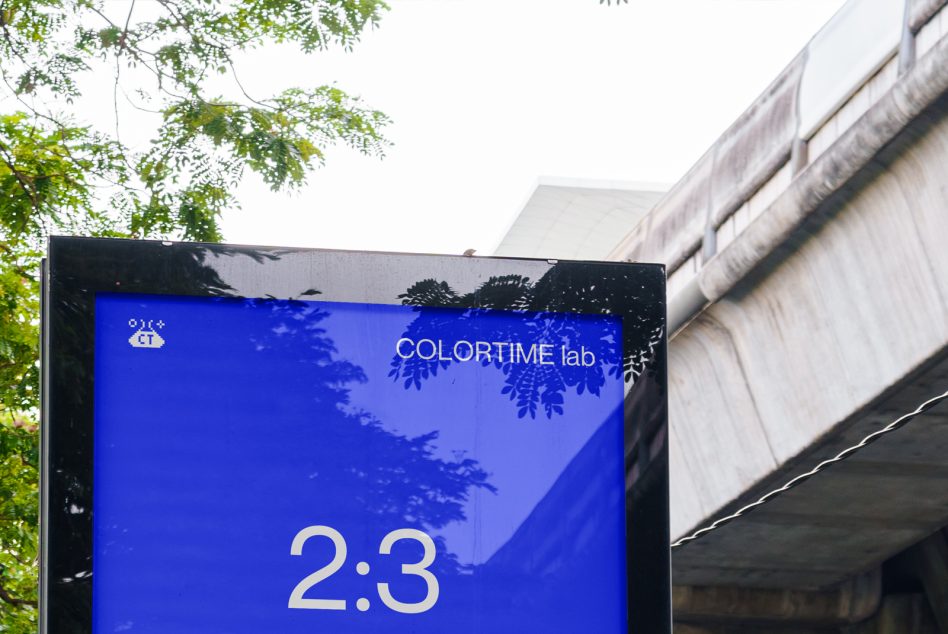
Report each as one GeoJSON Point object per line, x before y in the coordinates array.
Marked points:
{"type": "Point", "coordinates": [79, 269]}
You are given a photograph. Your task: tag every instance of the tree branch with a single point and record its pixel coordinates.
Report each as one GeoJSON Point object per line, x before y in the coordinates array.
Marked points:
{"type": "Point", "coordinates": [25, 182]}
{"type": "Point", "coordinates": [11, 600]}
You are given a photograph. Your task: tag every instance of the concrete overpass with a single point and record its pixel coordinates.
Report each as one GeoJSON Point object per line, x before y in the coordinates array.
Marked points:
{"type": "Point", "coordinates": [807, 254]}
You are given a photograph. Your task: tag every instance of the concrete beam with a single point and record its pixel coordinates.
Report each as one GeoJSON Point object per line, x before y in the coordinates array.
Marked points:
{"type": "Point", "coordinates": [850, 602]}
{"type": "Point", "coordinates": [829, 173]}
{"type": "Point", "coordinates": [742, 159]}
{"type": "Point", "coordinates": [921, 11]}
{"type": "Point", "coordinates": [898, 614]}
{"type": "Point", "coordinates": [835, 335]}
{"type": "Point", "coordinates": [848, 519]}
{"type": "Point", "coordinates": [687, 628]}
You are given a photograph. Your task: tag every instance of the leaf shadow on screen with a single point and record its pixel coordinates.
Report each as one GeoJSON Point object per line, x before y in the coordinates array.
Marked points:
{"type": "Point", "coordinates": [405, 484]}
{"type": "Point", "coordinates": [532, 387]}
{"type": "Point", "coordinates": [542, 568]}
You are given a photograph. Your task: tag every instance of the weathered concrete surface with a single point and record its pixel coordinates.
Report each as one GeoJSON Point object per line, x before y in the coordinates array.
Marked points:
{"type": "Point", "coordinates": [852, 602]}
{"type": "Point", "coordinates": [839, 332]}
{"type": "Point", "coordinates": [899, 614]}
{"type": "Point", "coordinates": [746, 155]}
{"type": "Point", "coordinates": [921, 11]}
{"type": "Point", "coordinates": [831, 172]}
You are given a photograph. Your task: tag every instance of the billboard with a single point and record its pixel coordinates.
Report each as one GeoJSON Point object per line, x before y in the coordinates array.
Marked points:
{"type": "Point", "coordinates": [245, 439]}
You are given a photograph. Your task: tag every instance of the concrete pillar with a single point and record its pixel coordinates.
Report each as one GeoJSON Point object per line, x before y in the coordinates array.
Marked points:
{"type": "Point", "coordinates": [930, 560]}
{"type": "Point", "coordinates": [899, 614]}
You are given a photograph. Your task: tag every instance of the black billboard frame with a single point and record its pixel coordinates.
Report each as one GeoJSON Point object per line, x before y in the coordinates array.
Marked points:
{"type": "Point", "coordinates": [78, 268]}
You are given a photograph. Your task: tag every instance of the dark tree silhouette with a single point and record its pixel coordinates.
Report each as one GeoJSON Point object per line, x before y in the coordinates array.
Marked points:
{"type": "Point", "coordinates": [602, 290]}
{"type": "Point", "coordinates": [405, 484]}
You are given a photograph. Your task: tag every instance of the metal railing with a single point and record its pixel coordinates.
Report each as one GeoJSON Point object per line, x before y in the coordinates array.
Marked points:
{"type": "Point", "coordinates": [854, 62]}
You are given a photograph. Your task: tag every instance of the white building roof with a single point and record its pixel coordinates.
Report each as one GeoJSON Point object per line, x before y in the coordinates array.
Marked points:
{"type": "Point", "coordinates": [569, 219]}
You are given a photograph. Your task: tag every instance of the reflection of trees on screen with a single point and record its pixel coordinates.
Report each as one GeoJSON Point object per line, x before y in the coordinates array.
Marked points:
{"type": "Point", "coordinates": [597, 290]}
{"type": "Point", "coordinates": [404, 484]}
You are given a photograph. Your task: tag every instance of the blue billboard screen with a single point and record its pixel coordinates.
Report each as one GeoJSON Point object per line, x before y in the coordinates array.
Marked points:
{"type": "Point", "coordinates": [308, 466]}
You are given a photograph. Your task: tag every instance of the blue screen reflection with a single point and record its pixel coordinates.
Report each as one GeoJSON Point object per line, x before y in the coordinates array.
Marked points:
{"type": "Point", "coordinates": [481, 448]}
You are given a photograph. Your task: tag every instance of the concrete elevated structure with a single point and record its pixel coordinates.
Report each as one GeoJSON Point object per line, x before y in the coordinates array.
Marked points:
{"type": "Point", "coordinates": [807, 256]}
{"type": "Point", "coordinates": [808, 275]}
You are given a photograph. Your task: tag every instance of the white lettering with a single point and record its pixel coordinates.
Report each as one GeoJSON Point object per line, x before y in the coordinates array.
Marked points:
{"type": "Point", "coordinates": [441, 356]}
{"type": "Point", "coordinates": [434, 349]}
{"type": "Point", "coordinates": [463, 350]}
{"type": "Point", "coordinates": [589, 357]}
{"type": "Point", "coordinates": [470, 350]}
{"type": "Point", "coordinates": [500, 349]}
{"type": "Point", "coordinates": [525, 358]}
{"type": "Point", "coordinates": [398, 348]}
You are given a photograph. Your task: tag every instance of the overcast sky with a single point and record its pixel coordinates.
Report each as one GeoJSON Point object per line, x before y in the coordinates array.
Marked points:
{"type": "Point", "coordinates": [488, 95]}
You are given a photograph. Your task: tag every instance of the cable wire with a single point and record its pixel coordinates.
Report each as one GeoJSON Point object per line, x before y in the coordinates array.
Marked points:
{"type": "Point", "coordinates": [803, 477]}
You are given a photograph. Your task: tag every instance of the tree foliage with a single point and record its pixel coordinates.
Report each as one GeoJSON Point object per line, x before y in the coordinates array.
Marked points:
{"type": "Point", "coordinates": [60, 174]}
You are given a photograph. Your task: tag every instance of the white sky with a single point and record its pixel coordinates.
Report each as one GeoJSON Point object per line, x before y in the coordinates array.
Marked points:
{"type": "Point", "coordinates": [488, 95]}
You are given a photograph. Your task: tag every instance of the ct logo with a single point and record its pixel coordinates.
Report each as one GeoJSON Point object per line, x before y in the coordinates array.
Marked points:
{"type": "Point", "coordinates": [146, 336]}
